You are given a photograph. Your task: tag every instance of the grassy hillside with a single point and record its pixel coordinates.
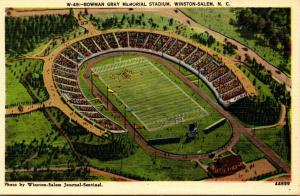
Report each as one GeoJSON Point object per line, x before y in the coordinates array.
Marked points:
{"type": "Point", "coordinates": [220, 19]}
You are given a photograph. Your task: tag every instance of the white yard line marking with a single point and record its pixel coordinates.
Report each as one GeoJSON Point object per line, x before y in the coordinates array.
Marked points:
{"type": "Point", "coordinates": [152, 124]}
{"type": "Point", "coordinates": [177, 86]}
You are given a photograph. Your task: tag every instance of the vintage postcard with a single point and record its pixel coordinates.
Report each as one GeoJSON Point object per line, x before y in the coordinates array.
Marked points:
{"type": "Point", "coordinates": [139, 97]}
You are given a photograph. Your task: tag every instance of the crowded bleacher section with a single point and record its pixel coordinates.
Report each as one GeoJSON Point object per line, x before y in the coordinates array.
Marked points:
{"type": "Point", "coordinates": [216, 74]}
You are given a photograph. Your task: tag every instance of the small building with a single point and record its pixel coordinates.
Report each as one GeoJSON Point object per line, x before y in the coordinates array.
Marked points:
{"type": "Point", "coordinates": [226, 166]}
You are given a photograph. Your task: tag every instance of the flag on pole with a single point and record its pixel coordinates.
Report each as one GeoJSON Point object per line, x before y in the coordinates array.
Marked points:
{"type": "Point", "coordinates": [110, 90]}
{"type": "Point", "coordinates": [95, 74]}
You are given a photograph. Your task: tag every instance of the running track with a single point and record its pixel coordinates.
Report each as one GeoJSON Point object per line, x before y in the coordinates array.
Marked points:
{"type": "Point", "coordinates": [236, 125]}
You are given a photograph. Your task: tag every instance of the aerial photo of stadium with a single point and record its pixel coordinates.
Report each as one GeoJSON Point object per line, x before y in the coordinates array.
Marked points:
{"type": "Point", "coordinates": [148, 94]}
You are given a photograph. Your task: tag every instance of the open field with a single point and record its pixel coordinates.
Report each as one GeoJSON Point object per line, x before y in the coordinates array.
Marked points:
{"type": "Point", "coordinates": [191, 76]}
{"type": "Point", "coordinates": [262, 88]}
{"type": "Point", "coordinates": [32, 142]}
{"type": "Point", "coordinates": [275, 138]}
{"type": "Point", "coordinates": [23, 76]}
{"type": "Point", "coordinates": [247, 150]}
{"type": "Point", "coordinates": [144, 165]}
{"type": "Point", "coordinates": [29, 127]}
{"type": "Point", "coordinates": [88, 94]}
{"type": "Point", "coordinates": [15, 91]}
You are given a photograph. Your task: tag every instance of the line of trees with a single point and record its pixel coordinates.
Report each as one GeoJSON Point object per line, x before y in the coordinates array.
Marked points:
{"type": "Point", "coordinates": [279, 91]}
{"type": "Point", "coordinates": [258, 111]}
{"type": "Point", "coordinates": [254, 111]}
{"type": "Point", "coordinates": [204, 38]}
{"type": "Point", "coordinates": [119, 146]}
{"type": "Point", "coordinates": [22, 34]}
{"type": "Point", "coordinates": [130, 20]}
{"type": "Point", "coordinates": [68, 175]}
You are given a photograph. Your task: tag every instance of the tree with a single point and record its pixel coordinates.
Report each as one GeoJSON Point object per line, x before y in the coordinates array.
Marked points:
{"type": "Point", "coordinates": [20, 107]}
{"type": "Point", "coordinates": [254, 82]}
{"type": "Point", "coordinates": [271, 24]}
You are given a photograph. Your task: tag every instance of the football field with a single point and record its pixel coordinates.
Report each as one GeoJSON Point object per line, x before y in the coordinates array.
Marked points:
{"type": "Point", "coordinates": [149, 94]}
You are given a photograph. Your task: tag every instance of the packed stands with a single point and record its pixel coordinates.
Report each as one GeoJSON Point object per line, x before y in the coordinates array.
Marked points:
{"type": "Point", "coordinates": [101, 42]}
{"type": "Point", "coordinates": [219, 78]}
{"type": "Point", "coordinates": [81, 49]}
{"type": "Point", "coordinates": [110, 39]}
{"type": "Point", "coordinates": [122, 39]}
{"type": "Point", "coordinates": [91, 45]}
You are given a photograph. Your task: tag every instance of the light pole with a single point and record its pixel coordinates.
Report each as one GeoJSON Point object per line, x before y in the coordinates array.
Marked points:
{"type": "Point", "coordinates": [92, 75]}
{"type": "Point", "coordinates": [107, 91]}
{"type": "Point", "coordinates": [107, 97]}
{"type": "Point", "coordinates": [92, 89]}
{"type": "Point", "coordinates": [198, 76]}
{"type": "Point", "coordinates": [134, 130]}
{"type": "Point", "coordinates": [127, 109]}
{"type": "Point", "coordinates": [125, 117]}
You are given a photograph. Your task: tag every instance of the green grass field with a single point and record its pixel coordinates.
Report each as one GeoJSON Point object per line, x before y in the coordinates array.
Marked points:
{"type": "Point", "coordinates": [219, 21]}
{"type": "Point", "coordinates": [144, 165]}
{"type": "Point", "coordinates": [29, 127]}
{"type": "Point", "coordinates": [152, 92]}
{"type": "Point", "coordinates": [16, 72]}
{"type": "Point", "coordinates": [275, 139]}
{"type": "Point", "coordinates": [15, 91]}
{"type": "Point", "coordinates": [247, 150]}
{"type": "Point", "coordinates": [154, 99]}
{"type": "Point", "coordinates": [31, 141]}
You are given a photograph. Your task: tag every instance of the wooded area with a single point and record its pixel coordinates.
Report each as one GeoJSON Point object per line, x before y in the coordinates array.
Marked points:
{"type": "Point", "coordinates": [23, 34]}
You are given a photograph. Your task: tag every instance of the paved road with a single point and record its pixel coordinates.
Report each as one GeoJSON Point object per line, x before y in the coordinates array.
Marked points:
{"type": "Point", "coordinates": [27, 108]}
